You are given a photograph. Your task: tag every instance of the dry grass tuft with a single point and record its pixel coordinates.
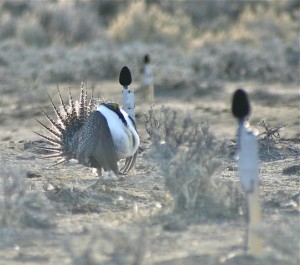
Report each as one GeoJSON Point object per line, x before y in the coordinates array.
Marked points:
{"type": "Point", "coordinates": [18, 205]}
{"type": "Point", "coordinates": [77, 199]}
{"type": "Point", "coordinates": [190, 156]}
{"type": "Point", "coordinates": [285, 250]}
{"type": "Point", "coordinates": [88, 197]}
{"type": "Point", "coordinates": [115, 247]}
{"type": "Point", "coordinates": [270, 135]}
{"type": "Point", "coordinates": [268, 141]}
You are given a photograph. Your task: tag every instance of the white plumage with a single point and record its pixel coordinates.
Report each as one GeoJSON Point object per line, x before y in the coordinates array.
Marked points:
{"type": "Point", "coordinates": [125, 138]}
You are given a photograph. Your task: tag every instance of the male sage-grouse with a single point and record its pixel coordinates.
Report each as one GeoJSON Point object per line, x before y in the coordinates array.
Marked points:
{"type": "Point", "coordinates": [96, 133]}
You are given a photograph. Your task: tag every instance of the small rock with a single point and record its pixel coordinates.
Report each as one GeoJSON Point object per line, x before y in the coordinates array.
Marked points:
{"type": "Point", "coordinates": [156, 187]}
{"type": "Point", "coordinates": [292, 170]}
{"type": "Point", "coordinates": [31, 175]}
{"type": "Point", "coordinates": [175, 226]}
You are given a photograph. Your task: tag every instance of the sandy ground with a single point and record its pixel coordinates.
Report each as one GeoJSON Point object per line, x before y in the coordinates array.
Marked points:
{"type": "Point", "coordinates": [131, 221]}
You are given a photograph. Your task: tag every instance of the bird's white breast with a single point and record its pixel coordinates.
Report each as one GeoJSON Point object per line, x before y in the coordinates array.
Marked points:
{"type": "Point", "coordinates": [126, 140]}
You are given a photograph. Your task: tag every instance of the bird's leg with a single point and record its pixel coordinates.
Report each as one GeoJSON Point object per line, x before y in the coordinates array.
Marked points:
{"type": "Point", "coordinates": [99, 172]}
{"type": "Point", "coordinates": [98, 178]}
{"type": "Point", "coordinates": [103, 182]}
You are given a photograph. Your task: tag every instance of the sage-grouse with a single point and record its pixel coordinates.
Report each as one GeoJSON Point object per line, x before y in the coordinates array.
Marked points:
{"type": "Point", "coordinates": [96, 133]}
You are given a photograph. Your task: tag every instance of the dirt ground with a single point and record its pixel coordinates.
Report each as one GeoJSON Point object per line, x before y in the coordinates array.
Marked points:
{"type": "Point", "coordinates": [55, 217]}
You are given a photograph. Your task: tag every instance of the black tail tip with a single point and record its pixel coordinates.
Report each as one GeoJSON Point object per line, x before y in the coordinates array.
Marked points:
{"type": "Point", "coordinates": [240, 104]}
{"type": "Point", "coordinates": [125, 76]}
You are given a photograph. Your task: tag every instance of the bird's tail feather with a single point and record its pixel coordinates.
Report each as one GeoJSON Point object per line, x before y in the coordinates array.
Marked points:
{"type": "Point", "coordinates": [63, 130]}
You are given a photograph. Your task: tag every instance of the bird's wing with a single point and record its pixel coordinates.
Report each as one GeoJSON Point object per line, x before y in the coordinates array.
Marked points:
{"type": "Point", "coordinates": [104, 151]}
{"type": "Point", "coordinates": [98, 147]}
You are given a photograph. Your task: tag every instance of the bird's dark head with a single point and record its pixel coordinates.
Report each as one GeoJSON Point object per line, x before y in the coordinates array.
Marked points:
{"type": "Point", "coordinates": [116, 108]}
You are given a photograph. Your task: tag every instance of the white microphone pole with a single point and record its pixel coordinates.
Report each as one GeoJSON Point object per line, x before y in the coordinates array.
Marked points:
{"type": "Point", "coordinates": [148, 85]}
{"type": "Point", "coordinates": [248, 165]}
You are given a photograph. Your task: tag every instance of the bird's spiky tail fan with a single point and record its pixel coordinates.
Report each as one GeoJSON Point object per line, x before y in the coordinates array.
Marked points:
{"type": "Point", "coordinates": [63, 138]}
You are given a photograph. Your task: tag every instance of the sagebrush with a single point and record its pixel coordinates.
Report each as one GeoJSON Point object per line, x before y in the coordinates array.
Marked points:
{"type": "Point", "coordinates": [190, 157]}
{"type": "Point", "coordinates": [18, 205]}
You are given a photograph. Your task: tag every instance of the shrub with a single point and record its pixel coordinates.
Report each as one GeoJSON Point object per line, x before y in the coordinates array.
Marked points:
{"type": "Point", "coordinates": [115, 246]}
{"type": "Point", "coordinates": [267, 141]}
{"type": "Point", "coordinates": [260, 45]}
{"type": "Point", "coordinates": [30, 31]}
{"type": "Point", "coordinates": [18, 206]}
{"type": "Point", "coordinates": [151, 25]}
{"type": "Point", "coordinates": [15, 8]}
{"type": "Point", "coordinates": [8, 26]}
{"type": "Point", "coordinates": [189, 156]}
{"type": "Point", "coordinates": [107, 9]}
{"type": "Point", "coordinates": [68, 24]}
{"type": "Point", "coordinates": [233, 61]}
